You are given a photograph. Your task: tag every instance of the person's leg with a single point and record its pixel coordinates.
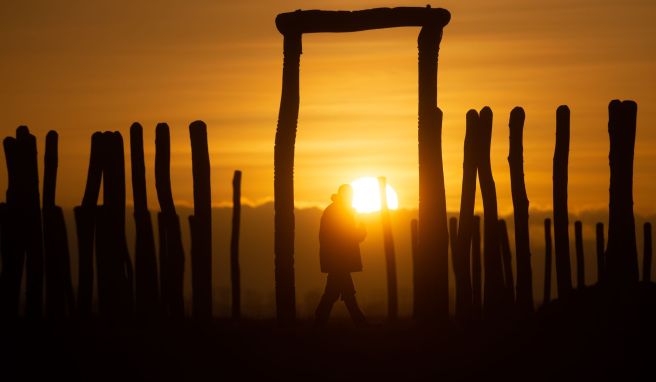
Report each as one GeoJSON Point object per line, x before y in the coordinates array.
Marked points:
{"type": "Point", "coordinates": [330, 295]}
{"type": "Point", "coordinates": [347, 290]}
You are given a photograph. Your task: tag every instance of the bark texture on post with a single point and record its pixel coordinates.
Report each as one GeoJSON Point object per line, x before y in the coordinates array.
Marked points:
{"type": "Point", "coordinates": [390, 255]}
{"type": "Point", "coordinates": [235, 275]}
{"type": "Point", "coordinates": [494, 298]}
{"type": "Point", "coordinates": [433, 296]}
{"type": "Point", "coordinates": [171, 252]}
{"type": "Point", "coordinates": [647, 254]}
{"type": "Point", "coordinates": [621, 250]}
{"type": "Point", "coordinates": [60, 298]}
{"type": "Point", "coordinates": [520, 212]}
{"type": "Point", "coordinates": [85, 222]}
{"type": "Point", "coordinates": [145, 259]}
{"type": "Point", "coordinates": [580, 261]}
{"type": "Point", "coordinates": [201, 224]}
{"type": "Point", "coordinates": [462, 247]}
{"type": "Point", "coordinates": [601, 256]}
{"type": "Point", "coordinates": [560, 211]}
{"type": "Point", "coordinates": [283, 181]}
{"type": "Point", "coordinates": [547, 261]}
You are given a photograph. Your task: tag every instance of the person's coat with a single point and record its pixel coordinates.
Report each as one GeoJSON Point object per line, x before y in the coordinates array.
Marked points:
{"type": "Point", "coordinates": [339, 240]}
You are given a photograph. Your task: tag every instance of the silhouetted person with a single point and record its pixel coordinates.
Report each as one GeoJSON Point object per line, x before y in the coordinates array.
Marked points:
{"type": "Point", "coordinates": [339, 255]}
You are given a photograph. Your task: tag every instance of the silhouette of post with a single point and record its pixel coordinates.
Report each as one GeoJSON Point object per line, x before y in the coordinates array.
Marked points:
{"type": "Point", "coordinates": [60, 300]}
{"type": "Point", "coordinates": [462, 248]}
{"type": "Point", "coordinates": [560, 212]}
{"type": "Point", "coordinates": [457, 270]}
{"type": "Point", "coordinates": [171, 253]}
{"type": "Point", "coordinates": [390, 256]}
{"type": "Point", "coordinates": [145, 259]}
{"type": "Point", "coordinates": [235, 276]}
{"type": "Point", "coordinates": [580, 261]}
{"type": "Point", "coordinates": [415, 265]}
{"type": "Point", "coordinates": [433, 232]}
{"type": "Point", "coordinates": [431, 295]}
{"type": "Point", "coordinates": [506, 257]}
{"type": "Point", "coordinates": [494, 299]}
{"type": "Point", "coordinates": [85, 222]}
{"type": "Point", "coordinates": [283, 185]}
{"type": "Point", "coordinates": [13, 255]}
{"type": "Point", "coordinates": [113, 263]}
{"type": "Point", "coordinates": [477, 291]}
{"type": "Point", "coordinates": [621, 250]}
{"type": "Point", "coordinates": [201, 224]}
{"type": "Point", "coordinates": [547, 261]}
{"type": "Point", "coordinates": [646, 259]}
{"type": "Point", "coordinates": [520, 212]}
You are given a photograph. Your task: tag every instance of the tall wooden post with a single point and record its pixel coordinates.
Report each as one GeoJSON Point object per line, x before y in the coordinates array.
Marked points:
{"type": "Point", "coordinates": [621, 250]}
{"type": "Point", "coordinates": [547, 261]}
{"type": "Point", "coordinates": [477, 291]}
{"type": "Point", "coordinates": [235, 276]}
{"type": "Point", "coordinates": [601, 256]}
{"type": "Point", "coordinates": [390, 256]}
{"type": "Point", "coordinates": [145, 259]}
{"type": "Point", "coordinates": [201, 224]}
{"type": "Point", "coordinates": [580, 261]}
{"type": "Point", "coordinates": [283, 181]}
{"type": "Point", "coordinates": [560, 211]}
{"type": "Point", "coordinates": [433, 232]}
{"type": "Point", "coordinates": [520, 211]}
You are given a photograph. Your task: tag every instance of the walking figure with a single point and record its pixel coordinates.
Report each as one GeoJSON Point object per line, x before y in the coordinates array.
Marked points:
{"type": "Point", "coordinates": [339, 255]}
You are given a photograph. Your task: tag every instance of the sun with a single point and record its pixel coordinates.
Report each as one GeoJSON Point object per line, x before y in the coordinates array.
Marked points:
{"type": "Point", "coordinates": [366, 195]}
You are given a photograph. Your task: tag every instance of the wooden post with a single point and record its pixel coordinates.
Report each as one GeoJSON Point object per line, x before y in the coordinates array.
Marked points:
{"type": "Point", "coordinates": [59, 289]}
{"type": "Point", "coordinates": [580, 261]}
{"type": "Point", "coordinates": [621, 251]}
{"type": "Point", "coordinates": [283, 181]}
{"type": "Point", "coordinates": [520, 211]}
{"type": "Point", "coordinates": [601, 263]}
{"type": "Point", "coordinates": [171, 252]}
{"type": "Point", "coordinates": [145, 259]}
{"type": "Point", "coordinates": [13, 255]}
{"type": "Point", "coordinates": [477, 292]}
{"type": "Point", "coordinates": [390, 256]}
{"type": "Point", "coordinates": [560, 211]}
{"type": "Point", "coordinates": [494, 299]}
{"type": "Point", "coordinates": [85, 222]}
{"type": "Point", "coordinates": [235, 276]}
{"type": "Point", "coordinates": [646, 259]}
{"type": "Point", "coordinates": [547, 261]}
{"type": "Point", "coordinates": [462, 249]}
{"type": "Point", "coordinates": [201, 224]}
{"type": "Point", "coordinates": [506, 257]}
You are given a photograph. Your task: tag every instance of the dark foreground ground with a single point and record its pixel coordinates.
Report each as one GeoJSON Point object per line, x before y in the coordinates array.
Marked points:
{"type": "Point", "coordinates": [595, 336]}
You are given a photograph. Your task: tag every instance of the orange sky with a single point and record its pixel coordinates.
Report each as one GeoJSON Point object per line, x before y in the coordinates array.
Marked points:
{"type": "Point", "coordinates": [80, 66]}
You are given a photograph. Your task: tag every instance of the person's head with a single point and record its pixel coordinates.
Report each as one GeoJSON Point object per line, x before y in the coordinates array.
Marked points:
{"type": "Point", "coordinates": [344, 195]}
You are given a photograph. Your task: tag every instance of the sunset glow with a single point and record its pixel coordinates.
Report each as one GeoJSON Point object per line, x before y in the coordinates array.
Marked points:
{"type": "Point", "coordinates": [366, 195]}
